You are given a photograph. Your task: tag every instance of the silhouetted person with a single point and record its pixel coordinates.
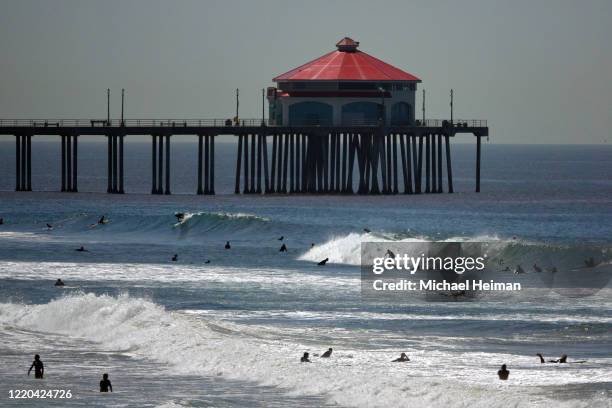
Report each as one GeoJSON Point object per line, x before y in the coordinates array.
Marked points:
{"type": "Point", "coordinates": [305, 358]}
{"type": "Point", "coordinates": [366, 230]}
{"type": "Point", "coordinates": [38, 366]}
{"type": "Point", "coordinates": [312, 244]}
{"type": "Point", "coordinates": [541, 358]}
{"type": "Point", "coordinates": [179, 216]}
{"type": "Point", "coordinates": [537, 268]}
{"type": "Point", "coordinates": [102, 220]}
{"type": "Point", "coordinates": [207, 261]}
{"type": "Point", "coordinates": [402, 358]}
{"type": "Point", "coordinates": [323, 262]}
{"type": "Point", "coordinates": [175, 258]}
{"type": "Point", "coordinates": [519, 270]}
{"type": "Point", "coordinates": [328, 353]}
{"type": "Point", "coordinates": [283, 248]}
{"type": "Point", "coordinates": [49, 226]}
{"type": "Point", "coordinates": [59, 282]}
{"type": "Point", "coordinates": [281, 238]}
{"type": "Point", "coordinates": [390, 254]}
{"type": "Point", "coordinates": [227, 245]}
{"type": "Point", "coordinates": [1, 221]}
{"type": "Point", "coordinates": [503, 373]}
{"type": "Point", "coordinates": [561, 360]}
{"type": "Point", "coordinates": [105, 384]}
{"type": "Point", "coordinates": [81, 249]}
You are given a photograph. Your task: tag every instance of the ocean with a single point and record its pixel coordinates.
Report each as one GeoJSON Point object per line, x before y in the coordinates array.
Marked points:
{"type": "Point", "coordinates": [227, 328]}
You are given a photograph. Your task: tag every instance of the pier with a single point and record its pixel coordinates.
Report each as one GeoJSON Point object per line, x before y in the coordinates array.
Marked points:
{"type": "Point", "coordinates": [270, 159]}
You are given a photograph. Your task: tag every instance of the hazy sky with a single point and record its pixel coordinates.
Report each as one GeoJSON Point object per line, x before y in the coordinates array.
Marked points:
{"type": "Point", "coordinates": [539, 71]}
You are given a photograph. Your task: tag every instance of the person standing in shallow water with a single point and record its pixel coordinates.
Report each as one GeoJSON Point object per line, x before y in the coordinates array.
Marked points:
{"type": "Point", "coordinates": [105, 384]}
{"type": "Point", "coordinates": [38, 366]}
{"type": "Point", "coordinates": [503, 373]}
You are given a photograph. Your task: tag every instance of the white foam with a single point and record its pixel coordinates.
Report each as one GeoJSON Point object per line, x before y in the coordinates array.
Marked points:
{"type": "Point", "coordinates": [204, 346]}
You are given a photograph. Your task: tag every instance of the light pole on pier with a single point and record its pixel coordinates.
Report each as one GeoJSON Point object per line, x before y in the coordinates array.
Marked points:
{"type": "Point", "coordinates": [107, 106]}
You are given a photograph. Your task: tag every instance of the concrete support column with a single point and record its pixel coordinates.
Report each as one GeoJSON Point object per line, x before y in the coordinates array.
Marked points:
{"type": "Point", "coordinates": [75, 163]}
{"type": "Point", "coordinates": [167, 165]}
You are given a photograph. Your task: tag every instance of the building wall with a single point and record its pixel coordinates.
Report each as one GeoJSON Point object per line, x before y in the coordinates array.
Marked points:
{"type": "Point", "coordinates": [337, 103]}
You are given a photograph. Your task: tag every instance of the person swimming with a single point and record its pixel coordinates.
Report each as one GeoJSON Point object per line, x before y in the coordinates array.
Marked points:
{"type": "Point", "coordinates": [175, 258]}
{"type": "Point", "coordinates": [323, 262]}
{"type": "Point", "coordinates": [312, 244]}
{"type": "Point", "coordinates": [59, 282]}
{"type": "Point", "coordinates": [305, 358]}
{"type": "Point", "coordinates": [105, 384]}
{"type": "Point", "coordinates": [327, 354]}
{"type": "Point", "coordinates": [402, 358]}
{"type": "Point", "coordinates": [561, 360]}
{"type": "Point", "coordinates": [81, 249]}
{"type": "Point", "coordinates": [38, 366]}
{"type": "Point", "coordinates": [207, 261]}
{"type": "Point", "coordinates": [503, 373]}
{"type": "Point", "coordinates": [227, 245]}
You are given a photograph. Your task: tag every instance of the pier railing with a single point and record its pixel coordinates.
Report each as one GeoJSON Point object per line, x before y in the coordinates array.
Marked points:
{"type": "Point", "coordinates": [458, 123]}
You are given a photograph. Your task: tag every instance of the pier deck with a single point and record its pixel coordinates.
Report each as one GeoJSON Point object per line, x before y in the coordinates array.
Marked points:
{"type": "Point", "coordinates": [310, 158]}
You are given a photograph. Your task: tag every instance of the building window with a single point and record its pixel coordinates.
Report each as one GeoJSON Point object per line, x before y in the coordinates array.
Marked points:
{"type": "Point", "coordinates": [310, 114]}
{"type": "Point", "coordinates": [361, 113]}
{"type": "Point", "coordinates": [401, 113]}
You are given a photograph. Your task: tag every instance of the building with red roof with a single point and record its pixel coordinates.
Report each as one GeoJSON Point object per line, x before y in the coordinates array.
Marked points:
{"type": "Point", "coordinates": [343, 87]}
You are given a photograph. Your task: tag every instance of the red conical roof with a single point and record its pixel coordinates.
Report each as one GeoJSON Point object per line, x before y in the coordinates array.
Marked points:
{"type": "Point", "coordinates": [346, 64]}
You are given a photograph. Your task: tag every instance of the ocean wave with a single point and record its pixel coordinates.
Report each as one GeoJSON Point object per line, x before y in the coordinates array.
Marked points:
{"type": "Point", "coordinates": [201, 346]}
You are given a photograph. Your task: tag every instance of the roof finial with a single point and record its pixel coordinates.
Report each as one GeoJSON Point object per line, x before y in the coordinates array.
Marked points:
{"type": "Point", "coordinates": [347, 44]}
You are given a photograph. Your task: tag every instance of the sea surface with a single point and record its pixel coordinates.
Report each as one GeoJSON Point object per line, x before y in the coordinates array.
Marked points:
{"type": "Point", "coordinates": [226, 328]}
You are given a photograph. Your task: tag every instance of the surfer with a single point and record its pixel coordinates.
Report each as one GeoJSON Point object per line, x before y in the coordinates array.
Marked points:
{"type": "Point", "coordinates": [102, 220]}
{"type": "Point", "coordinates": [402, 358]}
{"type": "Point", "coordinates": [281, 238]}
{"type": "Point", "coordinates": [49, 226]}
{"type": "Point", "coordinates": [38, 366]}
{"type": "Point", "coordinates": [305, 358]}
{"type": "Point", "coordinates": [323, 262]}
{"type": "Point", "coordinates": [227, 245]}
{"type": "Point", "coordinates": [179, 216]}
{"type": "Point", "coordinates": [81, 249]}
{"type": "Point", "coordinates": [503, 373]}
{"type": "Point", "coordinates": [367, 231]}
{"type": "Point", "coordinates": [519, 270]}
{"type": "Point", "coordinates": [207, 261]}
{"type": "Point", "coordinates": [312, 244]}
{"type": "Point", "coordinates": [561, 360]}
{"type": "Point", "coordinates": [175, 258]}
{"type": "Point", "coordinates": [537, 268]}
{"type": "Point", "coordinates": [327, 354]}
{"type": "Point", "coordinates": [542, 361]}
{"type": "Point", "coordinates": [59, 282]}
{"type": "Point", "coordinates": [283, 248]}
{"type": "Point", "coordinates": [390, 254]}
{"type": "Point", "coordinates": [105, 384]}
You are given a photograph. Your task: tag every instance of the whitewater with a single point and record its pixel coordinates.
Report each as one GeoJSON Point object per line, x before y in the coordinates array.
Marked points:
{"type": "Point", "coordinates": [226, 328]}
